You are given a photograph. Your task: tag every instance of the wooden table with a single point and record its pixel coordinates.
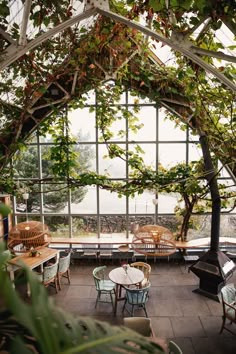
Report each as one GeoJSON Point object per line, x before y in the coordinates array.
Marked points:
{"type": "Point", "coordinates": [25, 259]}
{"type": "Point", "coordinates": [121, 278]}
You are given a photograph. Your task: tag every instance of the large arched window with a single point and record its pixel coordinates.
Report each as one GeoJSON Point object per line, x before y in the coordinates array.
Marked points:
{"type": "Point", "coordinates": [92, 211]}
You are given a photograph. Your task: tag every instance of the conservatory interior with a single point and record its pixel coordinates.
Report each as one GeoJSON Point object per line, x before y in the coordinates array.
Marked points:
{"type": "Point", "coordinates": [118, 176]}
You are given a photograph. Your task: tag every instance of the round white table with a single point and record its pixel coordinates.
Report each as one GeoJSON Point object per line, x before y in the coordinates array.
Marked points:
{"type": "Point", "coordinates": [122, 278]}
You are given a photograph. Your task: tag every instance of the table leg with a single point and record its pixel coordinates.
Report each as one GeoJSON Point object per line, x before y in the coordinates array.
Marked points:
{"type": "Point", "coordinates": [116, 298]}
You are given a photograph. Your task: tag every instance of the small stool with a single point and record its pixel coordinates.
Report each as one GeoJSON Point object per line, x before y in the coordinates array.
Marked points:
{"type": "Point", "coordinates": [188, 258]}
{"type": "Point", "coordinates": [124, 252]}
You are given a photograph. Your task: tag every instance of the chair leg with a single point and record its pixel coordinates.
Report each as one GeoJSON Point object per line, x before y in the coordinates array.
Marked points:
{"type": "Point", "coordinates": [112, 301]}
{"type": "Point", "coordinates": [145, 311]}
{"type": "Point", "coordinates": [59, 281]}
{"type": "Point", "coordinates": [68, 275]}
{"type": "Point", "coordinates": [56, 284]}
{"type": "Point", "coordinates": [97, 299]}
{"type": "Point", "coordinates": [124, 305]}
{"type": "Point", "coordinates": [223, 324]}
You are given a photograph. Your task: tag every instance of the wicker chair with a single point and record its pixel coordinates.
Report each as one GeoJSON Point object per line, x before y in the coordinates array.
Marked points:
{"type": "Point", "coordinates": [63, 267]}
{"type": "Point", "coordinates": [49, 276]}
{"type": "Point", "coordinates": [228, 296]}
{"type": "Point", "coordinates": [164, 233]}
{"type": "Point", "coordinates": [146, 269]}
{"type": "Point", "coordinates": [105, 288]}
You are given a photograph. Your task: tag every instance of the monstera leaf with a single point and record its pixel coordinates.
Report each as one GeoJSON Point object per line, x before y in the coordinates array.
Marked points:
{"type": "Point", "coordinates": [42, 327]}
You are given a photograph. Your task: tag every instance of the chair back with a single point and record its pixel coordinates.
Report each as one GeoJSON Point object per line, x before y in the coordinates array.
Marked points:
{"type": "Point", "coordinates": [144, 267]}
{"type": "Point", "coordinates": [174, 348]}
{"type": "Point", "coordinates": [137, 296]}
{"type": "Point", "coordinates": [142, 325]}
{"type": "Point", "coordinates": [228, 296]}
{"type": "Point", "coordinates": [64, 263]}
{"type": "Point", "coordinates": [50, 272]}
{"type": "Point", "coordinates": [98, 275]}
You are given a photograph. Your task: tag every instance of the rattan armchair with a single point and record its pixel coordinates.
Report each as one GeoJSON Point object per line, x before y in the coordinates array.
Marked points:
{"type": "Point", "coordinates": [146, 269]}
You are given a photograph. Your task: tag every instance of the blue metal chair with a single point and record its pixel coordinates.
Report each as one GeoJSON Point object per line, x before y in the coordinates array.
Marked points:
{"type": "Point", "coordinates": [136, 298]}
{"type": "Point", "coordinates": [105, 288]}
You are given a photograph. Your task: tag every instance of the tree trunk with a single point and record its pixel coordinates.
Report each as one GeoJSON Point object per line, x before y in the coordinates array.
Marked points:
{"type": "Point", "coordinates": [215, 195]}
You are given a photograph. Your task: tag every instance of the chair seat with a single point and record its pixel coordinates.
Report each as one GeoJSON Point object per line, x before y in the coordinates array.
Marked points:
{"type": "Point", "coordinates": [230, 313]}
{"type": "Point", "coordinates": [106, 285]}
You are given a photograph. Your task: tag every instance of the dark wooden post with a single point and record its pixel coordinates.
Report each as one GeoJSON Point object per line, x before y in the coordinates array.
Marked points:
{"type": "Point", "coordinates": [215, 195]}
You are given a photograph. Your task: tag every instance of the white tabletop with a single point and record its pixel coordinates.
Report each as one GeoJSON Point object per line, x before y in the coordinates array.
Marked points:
{"type": "Point", "coordinates": [133, 276]}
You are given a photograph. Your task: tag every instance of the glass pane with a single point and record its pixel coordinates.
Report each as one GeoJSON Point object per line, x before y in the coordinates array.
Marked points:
{"type": "Point", "coordinates": [118, 128]}
{"type": "Point", "coordinates": [227, 225]}
{"type": "Point", "coordinates": [82, 124]}
{"type": "Point", "coordinates": [23, 218]}
{"type": "Point", "coordinates": [195, 152]}
{"type": "Point", "coordinates": [58, 225]}
{"type": "Point", "coordinates": [142, 203]}
{"type": "Point", "coordinates": [148, 155]}
{"type": "Point", "coordinates": [90, 97]}
{"type": "Point", "coordinates": [147, 117]}
{"type": "Point", "coordinates": [223, 171]}
{"type": "Point", "coordinates": [110, 203]}
{"type": "Point", "coordinates": [132, 98]}
{"type": "Point", "coordinates": [88, 205]}
{"type": "Point", "coordinates": [168, 130]}
{"type": "Point", "coordinates": [55, 198]}
{"type": "Point", "coordinates": [84, 226]}
{"type": "Point", "coordinates": [227, 186]}
{"type": "Point", "coordinates": [171, 154]}
{"type": "Point", "coordinates": [86, 157]}
{"type": "Point", "coordinates": [46, 162]}
{"type": "Point", "coordinates": [48, 137]}
{"type": "Point", "coordinates": [26, 165]}
{"type": "Point", "coordinates": [115, 224]}
{"type": "Point", "coordinates": [114, 167]}
{"type": "Point", "coordinates": [167, 203]}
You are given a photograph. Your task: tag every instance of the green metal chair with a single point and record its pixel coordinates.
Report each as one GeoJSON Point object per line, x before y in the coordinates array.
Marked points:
{"type": "Point", "coordinates": [105, 288]}
{"type": "Point", "coordinates": [228, 296]}
{"type": "Point", "coordinates": [174, 348]}
{"type": "Point", "coordinates": [136, 299]}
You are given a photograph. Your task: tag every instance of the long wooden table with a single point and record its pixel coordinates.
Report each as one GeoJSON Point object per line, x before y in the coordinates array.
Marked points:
{"type": "Point", "coordinates": [205, 241]}
{"type": "Point", "coordinates": [27, 260]}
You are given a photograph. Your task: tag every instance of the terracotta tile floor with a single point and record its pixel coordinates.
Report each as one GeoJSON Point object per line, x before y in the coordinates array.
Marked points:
{"type": "Point", "coordinates": [193, 321]}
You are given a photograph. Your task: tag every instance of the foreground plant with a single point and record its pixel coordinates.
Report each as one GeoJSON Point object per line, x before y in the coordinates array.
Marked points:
{"type": "Point", "coordinates": [41, 327]}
